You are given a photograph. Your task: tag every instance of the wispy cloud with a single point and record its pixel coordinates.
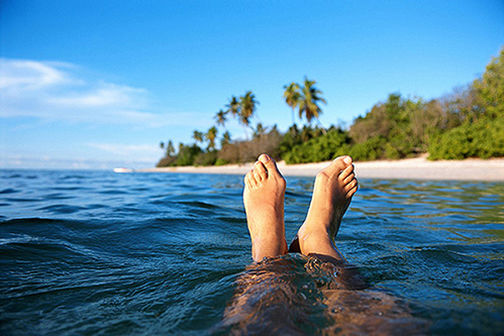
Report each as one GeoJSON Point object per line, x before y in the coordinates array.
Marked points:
{"type": "Point", "coordinates": [60, 91]}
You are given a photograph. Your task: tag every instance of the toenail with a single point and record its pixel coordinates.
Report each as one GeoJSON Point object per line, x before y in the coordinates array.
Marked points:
{"type": "Point", "coordinates": [265, 157]}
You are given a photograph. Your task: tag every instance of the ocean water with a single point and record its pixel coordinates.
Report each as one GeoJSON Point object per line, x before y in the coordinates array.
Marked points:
{"type": "Point", "coordinates": [93, 252]}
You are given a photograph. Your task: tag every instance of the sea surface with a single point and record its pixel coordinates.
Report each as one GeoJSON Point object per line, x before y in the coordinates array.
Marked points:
{"type": "Point", "coordinates": [99, 253]}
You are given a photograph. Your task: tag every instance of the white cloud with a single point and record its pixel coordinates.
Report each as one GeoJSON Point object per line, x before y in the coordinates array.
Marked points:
{"type": "Point", "coordinates": [26, 75]}
{"type": "Point", "coordinates": [59, 91]}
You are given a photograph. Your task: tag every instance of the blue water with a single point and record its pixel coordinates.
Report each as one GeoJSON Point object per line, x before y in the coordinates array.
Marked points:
{"type": "Point", "coordinates": [92, 252]}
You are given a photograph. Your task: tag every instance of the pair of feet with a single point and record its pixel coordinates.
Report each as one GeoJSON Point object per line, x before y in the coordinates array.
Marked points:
{"type": "Point", "coordinates": [264, 195]}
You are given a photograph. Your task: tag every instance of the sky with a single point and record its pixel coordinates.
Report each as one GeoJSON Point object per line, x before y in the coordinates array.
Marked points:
{"type": "Point", "coordinates": [99, 84]}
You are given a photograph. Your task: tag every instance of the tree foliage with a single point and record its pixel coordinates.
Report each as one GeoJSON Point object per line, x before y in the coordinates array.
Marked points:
{"type": "Point", "coordinates": [325, 147]}
{"type": "Point", "coordinates": [292, 97]}
{"type": "Point", "coordinates": [469, 122]}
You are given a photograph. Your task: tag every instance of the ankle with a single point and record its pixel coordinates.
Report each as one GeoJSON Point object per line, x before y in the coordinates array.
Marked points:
{"type": "Point", "coordinates": [262, 249]}
{"type": "Point", "coordinates": [309, 232]}
{"type": "Point", "coordinates": [314, 240]}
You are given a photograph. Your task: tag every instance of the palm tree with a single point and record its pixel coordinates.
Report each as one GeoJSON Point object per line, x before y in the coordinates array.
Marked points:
{"type": "Point", "coordinates": [197, 136]}
{"type": "Point", "coordinates": [210, 135]}
{"type": "Point", "coordinates": [233, 107]}
{"type": "Point", "coordinates": [220, 118]}
{"type": "Point", "coordinates": [308, 102]}
{"type": "Point", "coordinates": [247, 108]}
{"type": "Point", "coordinates": [169, 148]}
{"type": "Point", "coordinates": [292, 97]}
{"type": "Point", "coordinates": [226, 138]}
{"type": "Point", "coordinates": [260, 130]}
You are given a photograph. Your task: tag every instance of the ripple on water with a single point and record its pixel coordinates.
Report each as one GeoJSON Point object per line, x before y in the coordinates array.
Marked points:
{"type": "Point", "coordinates": [61, 209]}
{"type": "Point", "coordinates": [97, 252]}
{"type": "Point", "coordinates": [8, 191]}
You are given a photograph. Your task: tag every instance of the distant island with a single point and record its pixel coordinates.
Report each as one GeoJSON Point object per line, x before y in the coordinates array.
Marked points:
{"type": "Point", "coordinates": [467, 123]}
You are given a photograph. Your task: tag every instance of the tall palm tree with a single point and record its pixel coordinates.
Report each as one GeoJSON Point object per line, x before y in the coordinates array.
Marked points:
{"type": "Point", "coordinates": [170, 150]}
{"type": "Point", "coordinates": [220, 118]}
{"type": "Point", "coordinates": [309, 100]}
{"type": "Point", "coordinates": [248, 105]}
{"type": "Point", "coordinates": [292, 97]}
{"type": "Point", "coordinates": [233, 107]}
{"type": "Point", "coordinates": [197, 136]}
{"type": "Point", "coordinates": [211, 135]}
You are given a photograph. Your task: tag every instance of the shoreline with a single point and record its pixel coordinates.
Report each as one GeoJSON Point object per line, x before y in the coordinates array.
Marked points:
{"type": "Point", "coordinates": [414, 169]}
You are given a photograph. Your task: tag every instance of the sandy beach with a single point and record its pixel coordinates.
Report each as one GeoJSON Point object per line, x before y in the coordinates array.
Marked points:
{"type": "Point", "coordinates": [417, 168]}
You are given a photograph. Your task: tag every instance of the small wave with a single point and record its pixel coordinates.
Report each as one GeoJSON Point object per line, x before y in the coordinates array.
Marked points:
{"type": "Point", "coordinates": [8, 191]}
{"type": "Point", "coordinates": [199, 204]}
{"type": "Point", "coordinates": [20, 199]}
{"type": "Point", "coordinates": [30, 220]}
{"type": "Point", "coordinates": [61, 208]}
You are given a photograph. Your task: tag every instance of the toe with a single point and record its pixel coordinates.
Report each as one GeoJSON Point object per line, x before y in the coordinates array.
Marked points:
{"type": "Point", "coordinates": [260, 171]}
{"type": "Point", "coordinates": [350, 185]}
{"type": "Point", "coordinates": [257, 176]}
{"type": "Point", "coordinates": [352, 191]}
{"type": "Point", "coordinates": [269, 164]}
{"type": "Point", "coordinates": [349, 178]}
{"type": "Point", "coordinates": [250, 179]}
{"type": "Point", "coordinates": [339, 164]}
{"type": "Point", "coordinates": [346, 172]}
{"type": "Point", "coordinates": [246, 180]}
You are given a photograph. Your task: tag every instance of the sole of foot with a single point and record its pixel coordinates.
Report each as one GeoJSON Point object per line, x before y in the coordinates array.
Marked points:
{"type": "Point", "coordinates": [263, 197]}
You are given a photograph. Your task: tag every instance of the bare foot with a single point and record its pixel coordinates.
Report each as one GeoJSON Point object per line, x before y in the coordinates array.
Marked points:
{"type": "Point", "coordinates": [263, 197]}
{"type": "Point", "coordinates": [332, 194]}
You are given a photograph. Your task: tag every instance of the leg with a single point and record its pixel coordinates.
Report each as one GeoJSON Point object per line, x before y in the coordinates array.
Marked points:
{"type": "Point", "coordinates": [263, 196]}
{"type": "Point", "coordinates": [332, 194]}
{"type": "Point", "coordinates": [266, 291]}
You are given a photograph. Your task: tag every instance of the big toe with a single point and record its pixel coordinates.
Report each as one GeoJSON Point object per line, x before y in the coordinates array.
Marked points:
{"type": "Point", "coordinates": [269, 164]}
{"type": "Point", "coordinates": [339, 164]}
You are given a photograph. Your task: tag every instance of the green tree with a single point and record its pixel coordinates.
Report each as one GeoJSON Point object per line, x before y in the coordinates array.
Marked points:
{"type": "Point", "coordinates": [310, 100]}
{"type": "Point", "coordinates": [248, 104]}
{"type": "Point", "coordinates": [226, 139]}
{"type": "Point", "coordinates": [197, 136]}
{"type": "Point", "coordinates": [490, 88]}
{"type": "Point", "coordinates": [161, 145]}
{"type": "Point", "coordinates": [187, 154]}
{"type": "Point", "coordinates": [220, 118]}
{"type": "Point", "coordinates": [170, 150]}
{"type": "Point", "coordinates": [233, 107]}
{"type": "Point", "coordinates": [292, 97]}
{"type": "Point", "coordinates": [210, 136]}
{"type": "Point", "coordinates": [260, 130]}
{"type": "Point", "coordinates": [247, 107]}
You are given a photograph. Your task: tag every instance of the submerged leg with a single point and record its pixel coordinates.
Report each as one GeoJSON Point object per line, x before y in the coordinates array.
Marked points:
{"type": "Point", "coordinates": [332, 194]}
{"type": "Point", "coordinates": [263, 197]}
{"type": "Point", "coordinates": [272, 296]}
{"type": "Point", "coordinates": [265, 301]}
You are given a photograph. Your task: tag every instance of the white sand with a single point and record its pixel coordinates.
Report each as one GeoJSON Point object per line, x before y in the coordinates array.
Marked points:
{"type": "Point", "coordinates": [417, 168]}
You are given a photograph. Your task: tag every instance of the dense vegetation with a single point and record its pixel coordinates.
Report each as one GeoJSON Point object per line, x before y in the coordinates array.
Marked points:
{"type": "Point", "coordinates": [466, 123]}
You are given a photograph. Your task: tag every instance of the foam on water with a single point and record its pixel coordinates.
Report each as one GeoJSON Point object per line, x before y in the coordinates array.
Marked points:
{"type": "Point", "coordinates": [102, 253]}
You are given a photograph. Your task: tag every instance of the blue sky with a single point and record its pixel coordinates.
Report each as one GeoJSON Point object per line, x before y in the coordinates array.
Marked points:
{"type": "Point", "coordinates": [98, 84]}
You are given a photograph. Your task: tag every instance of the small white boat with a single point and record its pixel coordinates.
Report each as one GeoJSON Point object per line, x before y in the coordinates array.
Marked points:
{"type": "Point", "coordinates": [122, 170]}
